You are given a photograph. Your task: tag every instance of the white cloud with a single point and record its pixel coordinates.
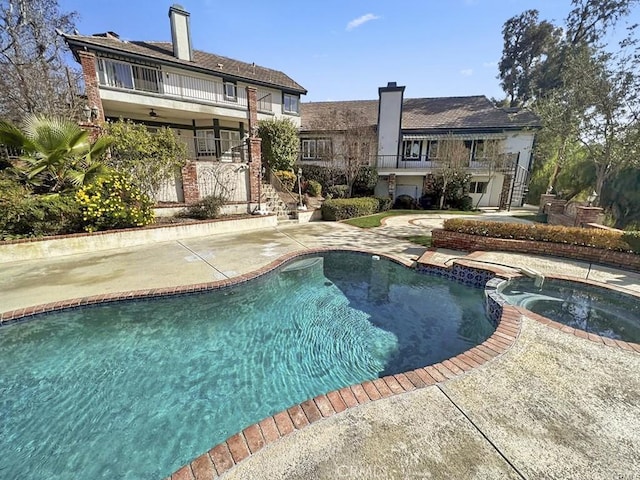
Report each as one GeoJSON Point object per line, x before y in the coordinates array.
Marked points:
{"type": "Point", "coordinates": [356, 22]}
{"type": "Point", "coordinates": [467, 72]}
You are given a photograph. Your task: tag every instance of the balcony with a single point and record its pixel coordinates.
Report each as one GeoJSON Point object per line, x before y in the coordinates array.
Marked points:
{"type": "Point", "coordinates": [211, 148]}
{"type": "Point", "coordinates": [126, 76]}
{"type": "Point", "coordinates": [504, 163]}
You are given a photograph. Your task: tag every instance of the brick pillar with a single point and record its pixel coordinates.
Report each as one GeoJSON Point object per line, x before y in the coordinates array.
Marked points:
{"type": "Point", "coordinates": [557, 206]}
{"type": "Point", "coordinates": [252, 105]}
{"type": "Point", "coordinates": [586, 215]}
{"type": "Point", "coordinates": [91, 89]}
{"type": "Point", "coordinates": [545, 198]}
{"type": "Point", "coordinates": [190, 182]}
{"type": "Point", "coordinates": [392, 185]}
{"type": "Point", "coordinates": [255, 165]}
{"type": "Point", "coordinates": [94, 130]}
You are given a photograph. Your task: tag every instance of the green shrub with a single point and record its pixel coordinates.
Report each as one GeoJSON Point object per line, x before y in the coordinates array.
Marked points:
{"type": "Point", "coordinates": [343, 208]}
{"type": "Point", "coordinates": [114, 202]}
{"type": "Point", "coordinates": [287, 178]}
{"type": "Point", "coordinates": [365, 181]}
{"type": "Point", "coordinates": [588, 237]}
{"type": "Point", "coordinates": [314, 188]}
{"type": "Point", "coordinates": [338, 191]}
{"type": "Point", "coordinates": [280, 143]}
{"type": "Point", "coordinates": [384, 203]}
{"type": "Point", "coordinates": [208, 207]}
{"type": "Point", "coordinates": [632, 238]}
{"type": "Point", "coordinates": [464, 203]}
{"type": "Point", "coordinates": [325, 176]}
{"type": "Point", "coordinates": [24, 214]}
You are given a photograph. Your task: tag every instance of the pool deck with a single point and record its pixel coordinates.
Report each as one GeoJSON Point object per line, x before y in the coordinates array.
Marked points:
{"type": "Point", "coordinates": [554, 405]}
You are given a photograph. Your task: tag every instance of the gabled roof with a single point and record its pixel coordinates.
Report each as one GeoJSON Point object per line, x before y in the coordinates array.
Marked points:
{"type": "Point", "coordinates": [162, 52]}
{"type": "Point", "coordinates": [439, 113]}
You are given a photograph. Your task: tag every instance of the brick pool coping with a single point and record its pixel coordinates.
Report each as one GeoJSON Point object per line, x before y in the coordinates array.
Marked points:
{"type": "Point", "coordinates": [252, 439]}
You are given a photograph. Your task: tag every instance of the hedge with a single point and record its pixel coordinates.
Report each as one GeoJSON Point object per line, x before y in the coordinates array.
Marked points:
{"type": "Point", "coordinates": [586, 237]}
{"type": "Point", "coordinates": [343, 208]}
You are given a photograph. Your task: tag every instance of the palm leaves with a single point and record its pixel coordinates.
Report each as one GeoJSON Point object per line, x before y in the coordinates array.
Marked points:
{"type": "Point", "coordinates": [56, 153]}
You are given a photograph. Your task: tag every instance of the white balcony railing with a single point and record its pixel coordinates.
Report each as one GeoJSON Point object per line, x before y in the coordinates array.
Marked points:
{"type": "Point", "coordinates": [215, 149]}
{"type": "Point", "coordinates": [123, 75]}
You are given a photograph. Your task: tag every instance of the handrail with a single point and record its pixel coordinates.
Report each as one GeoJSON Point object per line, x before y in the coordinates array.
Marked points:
{"type": "Point", "coordinates": [280, 188]}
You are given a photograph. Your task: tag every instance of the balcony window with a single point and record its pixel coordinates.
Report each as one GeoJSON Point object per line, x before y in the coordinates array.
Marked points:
{"type": "Point", "coordinates": [411, 150]}
{"type": "Point", "coordinates": [432, 150]}
{"type": "Point", "coordinates": [264, 101]}
{"type": "Point", "coordinates": [205, 143]}
{"type": "Point", "coordinates": [291, 103]}
{"type": "Point", "coordinates": [230, 145]}
{"type": "Point", "coordinates": [230, 92]}
{"type": "Point", "coordinates": [125, 75]}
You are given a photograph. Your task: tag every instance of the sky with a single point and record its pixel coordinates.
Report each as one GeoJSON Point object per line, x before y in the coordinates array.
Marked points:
{"type": "Point", "coordinates": [340, 49]}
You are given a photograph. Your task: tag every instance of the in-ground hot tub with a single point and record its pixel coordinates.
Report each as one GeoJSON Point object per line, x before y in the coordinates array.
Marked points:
{"type": "Point", "coordinates": [599, 310]}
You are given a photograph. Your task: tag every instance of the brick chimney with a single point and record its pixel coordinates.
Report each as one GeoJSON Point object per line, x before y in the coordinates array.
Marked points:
{"type": "Point", "coordinates": [389, 119]}
{"type": "Point", "coordinates": [180, 32]}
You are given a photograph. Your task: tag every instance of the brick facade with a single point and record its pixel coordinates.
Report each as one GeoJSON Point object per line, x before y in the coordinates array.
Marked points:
{"type": "Point", "coordinates": [466, 242]}
{"type": "Point", "coordinates": [252, 105]}
{"type": "Point", "coordinates": [255, 165]}
{"type": "Point", "coordinates": [91, 88]}
{"type": "Point", "coordinates": [190, 182]}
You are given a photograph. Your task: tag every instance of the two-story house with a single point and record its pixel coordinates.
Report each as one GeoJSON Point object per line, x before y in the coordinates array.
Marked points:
{"type": "Point", "coordinates": [413, 141]}
{"type": "Point", "coordinates": [212, 102]}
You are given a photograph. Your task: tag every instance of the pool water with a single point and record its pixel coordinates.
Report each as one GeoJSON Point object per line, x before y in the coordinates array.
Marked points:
{"type": "Point", "coordinates": [596, 310]}
{"type": "Point", "coordinates": [136, 389]}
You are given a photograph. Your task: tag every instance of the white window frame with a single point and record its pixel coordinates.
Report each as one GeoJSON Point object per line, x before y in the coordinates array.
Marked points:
{"type": "Point", "coordinates": [205, 143]}
{"type": "Point", "coordinates": [230, 92]}
{"type": "Point", "coordinates": [290, 103]}
{"type": "Point", "coordinates": [431, 146]}
{"type": "Point", "coordinates": [229, 143]}
{"type": "Point", "coordinates": [308, 147]}
{"type": "Point", "coordinates": [483, 184]}
{"type": "Point", "coordinates": [323, 148]}
{"type": "Point", "coordinates": [413, 156]}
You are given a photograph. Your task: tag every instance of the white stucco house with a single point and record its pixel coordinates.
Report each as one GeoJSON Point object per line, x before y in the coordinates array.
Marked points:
{"type": "Point", "coordinates": [211, 102]}
{"type": "Point", "coordinates": [408, 136]}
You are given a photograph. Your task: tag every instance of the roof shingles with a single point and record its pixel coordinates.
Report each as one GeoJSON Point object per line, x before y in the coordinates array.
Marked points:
{"type": "Point", "coordinates": [163, 52]}
{"type": "Point", "coordinates": [440, 113]}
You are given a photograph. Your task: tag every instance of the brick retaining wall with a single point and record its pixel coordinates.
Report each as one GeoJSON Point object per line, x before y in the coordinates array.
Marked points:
{"type": "Point", "coordinates": [463, 241]}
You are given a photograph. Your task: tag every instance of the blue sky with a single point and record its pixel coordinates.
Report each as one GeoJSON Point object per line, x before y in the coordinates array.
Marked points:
{"type": "Point", "coordinates": [340, 50]}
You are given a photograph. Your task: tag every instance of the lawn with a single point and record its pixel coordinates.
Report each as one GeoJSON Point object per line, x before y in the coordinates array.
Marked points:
{"type": "Point", "coordinates": [424, 240]}
{"type": "Point", "coordinates": [372, 221]}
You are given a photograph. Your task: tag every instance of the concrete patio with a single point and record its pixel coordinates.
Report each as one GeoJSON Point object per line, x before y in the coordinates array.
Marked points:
{"type": "Point", "coordinates": [553, 406]}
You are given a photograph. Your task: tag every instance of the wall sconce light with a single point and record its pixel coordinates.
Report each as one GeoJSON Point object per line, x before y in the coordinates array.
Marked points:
{"type": "Point", "coordinates": [86, 113]}
{"type": "Point", "coordinates": [94, 112]}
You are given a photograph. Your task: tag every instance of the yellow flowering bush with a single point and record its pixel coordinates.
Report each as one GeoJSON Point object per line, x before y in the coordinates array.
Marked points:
{"type": "Point", "coordinates": [114, 202]}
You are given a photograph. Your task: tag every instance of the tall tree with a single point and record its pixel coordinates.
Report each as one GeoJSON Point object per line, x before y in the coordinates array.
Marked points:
{"type": "Point", "coordinates": [527, 44]}
{"type": "Point", "coordinates": [34, 77]}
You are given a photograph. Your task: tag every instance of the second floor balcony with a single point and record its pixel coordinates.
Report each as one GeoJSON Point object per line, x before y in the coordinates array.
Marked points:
{"type": "Point", "coordinates": [501, 163]}
{"type": "Point", "coordinates": [150, 80]}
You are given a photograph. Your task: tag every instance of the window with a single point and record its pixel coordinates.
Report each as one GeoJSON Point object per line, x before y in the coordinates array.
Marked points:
{"type": "Point", "coordinates": [478, 187]}
{"type": "Point", "coordinates": [432, 150]}
{"type": "Point", "coordinates": [316, 149]}
{"type": "Point", "coordinates": [264, 102]}
{"type": "Point", "coordinates": [205, 143]}
{"type": "Point", "coordinates": [411, 149]}
{"type": "Point", "coordinates": [230, 92]}
{"type": "Point", "coordinates": [230, 145]}
{"type": "Point", "coordinates": [323, 148]}
{"type": "Point", "coordinates": [290, 103]}
{"type": "Point", "coordinates": [124, 75]}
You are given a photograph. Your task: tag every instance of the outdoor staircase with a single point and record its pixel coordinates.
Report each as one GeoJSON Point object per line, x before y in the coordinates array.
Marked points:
{"type": "Point", "coordinates": [274, 204]}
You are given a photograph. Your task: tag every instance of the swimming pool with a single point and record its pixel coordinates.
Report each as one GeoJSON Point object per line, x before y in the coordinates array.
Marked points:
{"type": "Point", "coordinates": [598, 310]}
{"type": "Point", "coordinates": [136, 389]}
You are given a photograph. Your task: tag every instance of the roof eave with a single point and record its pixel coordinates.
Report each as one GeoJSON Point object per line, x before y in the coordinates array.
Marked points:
{"type": "Point", "coordinates": [74, 42]}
